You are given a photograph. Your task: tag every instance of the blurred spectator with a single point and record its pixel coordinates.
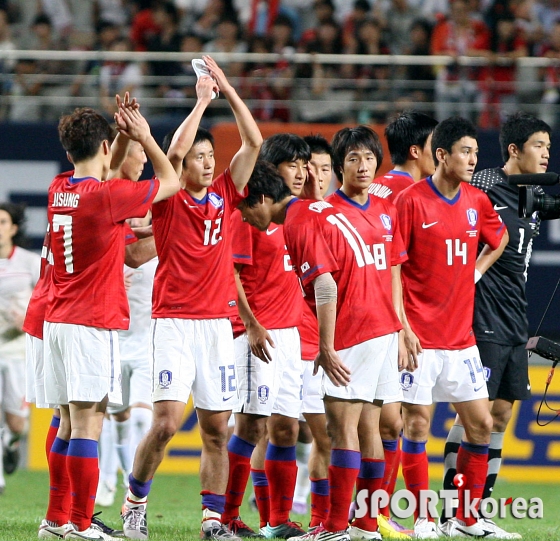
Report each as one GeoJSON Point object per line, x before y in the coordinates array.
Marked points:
{"type": "Point", "coordinates": [58, 11]}
{"type": "Point", "coordinates": [144, 26]}
{"type": "Point", "coordinates": [118, 77]}
{"type": "Point", "coordinates": [546, 13]}
{"type": "Point", "coordinates": [110, 11]}
{"type": "Point", "coordinates": [205, 24]}
{"type": "Point", "coordinates": [228, 40]}
{"type": "Point", "coordinates": [498, 80]}
{"type": "Point", "coordinates": [357, 16]}
{"type": "Point", "coordinates": [323, 10]}
{"type": "Point", "coordinates": [398, 19]}
{"type": "Point", "coordinates": [168, 40]}
{"type": "Point", "coordinates": [460, 35]}
{"type": "Point", "coordinates": [6, 44]}
{"type": "Point", "coordinates": [282, 36]}
{"type": "Point", "coordinates": [550, 112]}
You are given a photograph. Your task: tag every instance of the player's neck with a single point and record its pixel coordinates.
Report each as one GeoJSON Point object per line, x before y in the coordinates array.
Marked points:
{"type": "Point", "coordinates": [411, 168]}
{"type": "Point", "coordinates": [447, 187]}
{"type": "Point", "coordinates": [511, 168]}
{"type": "Point", "coordinates": [89, 169]}
{"type": "Point", "coordinates": [278, 212]}
{"type": "Point", "coordinates": [358, 195]}
{"type": "Point", "coordinates": [6, 250]}
{"type": "Point", "coordinates": [196, 192]}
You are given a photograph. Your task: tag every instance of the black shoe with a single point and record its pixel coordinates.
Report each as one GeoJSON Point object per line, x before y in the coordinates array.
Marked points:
{"type": "Point", "coordinates": [104, 528]}
{"type": "Point", "coordinates": [10, 458]}
{"type": "Point", "coordinates": [240, 529]}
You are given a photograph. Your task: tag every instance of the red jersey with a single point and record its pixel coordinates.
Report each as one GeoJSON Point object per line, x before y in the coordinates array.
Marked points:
{"type": "Point", "coordinates": [87, 225]}
{"type": "Point", "coordinates": [194, 278]}
{"type": "Point", "coordinates": [309, 334]}
{"type": "Point", "coordinates": [269, 281]}
{"type": "Point", "coordinates": [322, 239]}
{"type": "Point", "coordinates": [441, 237]}
{"type": "Point", "coordinates": [35, 315]}
{"type": "Point", "coordinates": [390, 184]}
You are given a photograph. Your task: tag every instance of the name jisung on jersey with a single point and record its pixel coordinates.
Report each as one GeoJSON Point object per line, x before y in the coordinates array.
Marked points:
{"type": "Point", "coordinates": [63, 199]}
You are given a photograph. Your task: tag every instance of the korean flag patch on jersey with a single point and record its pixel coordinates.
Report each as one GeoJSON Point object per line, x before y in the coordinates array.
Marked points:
{"type": "Point", "coordinates": [386, 221]}
{"type": "Point", "coordinates": [472, 217]}
{"type": "Point", "coordinates": [216, 200]}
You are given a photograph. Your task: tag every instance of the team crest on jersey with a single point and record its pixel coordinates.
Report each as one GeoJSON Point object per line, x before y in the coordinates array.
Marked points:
{"type": "Point", "coordinates": [386, 221]}
{"type": "Point", "coordinates": [472, 217]}
{"type": "Point", "coordinates": [165, 378]}
{"type": "Point", "coordinates": [407, 379]}
{"type": "Point", "coordinates": [216, 200]}
{"type": "Point", "coordinates": [263, 392]}
{"type": "Point", "coordinates": [232, 303]}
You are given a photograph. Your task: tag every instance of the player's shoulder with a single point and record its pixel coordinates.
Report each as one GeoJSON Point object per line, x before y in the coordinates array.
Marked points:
{"type": "Point", "coordinates": [486, 179]}
{"type": "Point", "coordinates": [26, 256]}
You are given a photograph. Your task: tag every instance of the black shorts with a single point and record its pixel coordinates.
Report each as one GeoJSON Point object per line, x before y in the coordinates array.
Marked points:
{"type": "Point", "coordinates": [509, 370]}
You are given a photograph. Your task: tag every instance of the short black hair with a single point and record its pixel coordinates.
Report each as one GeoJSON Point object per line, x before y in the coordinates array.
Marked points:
{"type": "Point", "coordinates": [17, 215]}
{"type": "Point", "coordinates": [449, 131]}
{"type": "Point", "coordinates": [284, 147]}
{"type": "Point", "coordinates": [517, 129]}
{"type": "Point", "coordinates": [348, 139]}
{"type": "Point", "coordinates": [265, 180]}
{"type": "Point", "coordinates": [202, 134]}
{"type": "Point", "coordinates": [407, 129]}
{"type": "Point", "coordinates": [318, 144]}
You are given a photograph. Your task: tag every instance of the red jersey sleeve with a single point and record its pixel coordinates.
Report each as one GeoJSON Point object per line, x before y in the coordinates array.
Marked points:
{"type": "Point", "coordinates": [398, 251]}
{"type": "Point", "coordinates": [129, 236]}
{"type": "Point", "coordinates": [241, 239]}
{"type": "Point", "coordinates": [130, 199]}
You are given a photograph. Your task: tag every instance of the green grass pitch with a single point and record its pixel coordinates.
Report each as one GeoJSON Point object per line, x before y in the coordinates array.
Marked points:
{"type": "Point", "coordinates": [174, 508]}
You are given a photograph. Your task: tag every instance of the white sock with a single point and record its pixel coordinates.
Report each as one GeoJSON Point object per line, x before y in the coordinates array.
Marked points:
{"type": "Point", "coordinates": [140, 423]}
{"type": "Point", "coordinates": [108, 459]}
{"type": "Point", "coordinates": [303, 484]}
{"type": "Point", "coordinates": [122, 445]}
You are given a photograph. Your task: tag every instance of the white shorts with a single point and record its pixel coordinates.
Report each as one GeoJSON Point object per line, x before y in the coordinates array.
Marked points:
{"type": "Point", "coordinates": [12, 388]}
{"type": "Point", "coordinates": [197, 355]}
{"type": "Point", "coordinates": [82, 364]}
{"type": "Point", "coordinates": [374, 370]}
{"type": "Point", "coordinates": [445, 376]}
{"type": "Point", "coordinates": [274, 387]}
{"type": "Point", "coordinates": [312, 394]}
{"type": "Point", "coordinates": [136, 384]}
{"type": "Point", "coordinates": [35, 372]}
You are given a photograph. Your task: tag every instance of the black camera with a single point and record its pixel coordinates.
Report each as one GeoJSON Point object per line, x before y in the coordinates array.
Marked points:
{"type": "Point", "coordinates": [533, 199]}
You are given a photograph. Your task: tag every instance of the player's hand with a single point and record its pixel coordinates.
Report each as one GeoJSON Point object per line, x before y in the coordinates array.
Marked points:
{"type": "Point", "coordinates": [258, 337]}
{"type": "Point", "coordinates": [217, 73]}
{"type": "Point", "coordinates": [414, 348]}
{"type": "Point", "coordinates": [333, 366]}
{"type": "Point", "coordinates": [312, 184]}
{"type": "Point", "coordinates": [17, 317]}
{"type": "Point", "coordinates": [128, 279]}
{"type": "Point", "coordinates": [131, 123]}
{"type": "Point", "coordinates": [403, 360]}
{"type": "Point", "coordinates": [127, 101]}
{"type": "Point", "coordinates": [204, 88]}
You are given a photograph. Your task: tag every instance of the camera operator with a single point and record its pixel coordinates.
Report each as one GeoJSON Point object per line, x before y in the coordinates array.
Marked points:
{"type": "Point", "coordinates": [500, 315]}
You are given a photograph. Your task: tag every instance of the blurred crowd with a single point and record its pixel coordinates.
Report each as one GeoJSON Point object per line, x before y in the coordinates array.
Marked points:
{"type": "Point", "coordinates": [498, 30]}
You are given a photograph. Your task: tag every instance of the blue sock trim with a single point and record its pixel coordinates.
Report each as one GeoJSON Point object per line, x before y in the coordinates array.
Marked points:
{"type": "Point", "coordinates": [390, 445]}
{"type": "Point", "coordinates": [320, 486]}
{"type": "Point", "coordinates": [214, 502]}
{"type": "Point", "coordinates": [60, 447]}
{"type": "Point", "coordinates": [140, 489]}
{"type": "Point", "coordinates": [344, 458]}
{"type": "Point", "coordinates": [285, 454]}
{"type": "Point", "coordinates": [413, 447]}
{"type": "Point", "coordinates": [82, 448]}
{"type": "Point", "coordinates": [240, 447]}
{"type": "Point", "coordinates": [479, 449]}
{"type": "Point", "coordinates": [55, 421]}
{"type": "Point", "coordinates": [372, 469]}
{"type": "Point", "coordinates": [259, 478]}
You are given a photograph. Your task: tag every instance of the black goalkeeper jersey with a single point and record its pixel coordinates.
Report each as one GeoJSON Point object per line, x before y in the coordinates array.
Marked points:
{"type": "Point", "coordinates": [500, 309]}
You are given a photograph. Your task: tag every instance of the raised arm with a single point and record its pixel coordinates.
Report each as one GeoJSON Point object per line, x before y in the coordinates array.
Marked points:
{"type": "Point", "coordinates": [132, 124]}
{"type": "Point", "coordinates": [243, 162]}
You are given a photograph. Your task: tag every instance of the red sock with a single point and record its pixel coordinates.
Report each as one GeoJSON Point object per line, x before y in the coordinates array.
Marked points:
{"type": "Point", "coordinates": [51, 434]}
{"type": "Point", "coordinates": [343, 471]}
{"type": "Point", "coordinates": [319, 501]}
{"type": "Point", "coordinates": [239, 453]}
{"type": "Point", "coordinates": [415, 468]}
{"type": "Point", "coordinates": [370, 478]}
{"type": "Point", "coordinates": [281, 470]}
{"type": "Point", "coordinates": [392, 452]}
{"type": "Point", "coordinates": [83, 470]}
{"type": "Point", "coordinates": [472, 462]}
{"type": "Point", "coordinates": [260, 486]}
{"type": "Point", "coordinates": [58, 510]}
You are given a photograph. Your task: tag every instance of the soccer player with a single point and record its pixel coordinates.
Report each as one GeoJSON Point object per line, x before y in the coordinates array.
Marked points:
{"type": "Point", "coordinates": [409, 138]}
{"type": "Point", "coordinates": [333, 262]}
{"type": "Point", "coordinates": [268, 353]}
{"type": "Point", "coordinates": [193, 298]}
{"type": "Point", "coordinates": [87, 301]}
{"type": "Point", "coordinates": [443, 218]}
{"type": "Point", "coordinates": [19, 272]}
{"type": "Point", "coordinates": [373, 218]}
{"type": "Point", "coordinates": [500, 307]}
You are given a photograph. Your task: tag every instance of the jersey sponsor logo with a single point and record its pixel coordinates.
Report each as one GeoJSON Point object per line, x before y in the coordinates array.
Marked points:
{"type": "Point", "coordinates": [496, 207]}
{"type": "Point", "coordinates": [386, 221]}
{"type": "Point", "coordinates": [319, 206]}
{"type": "Point", "coordinates": [379, 190]}
{"type": "Point", "coordinates": [472, 217]}
{"type": "Point", "coordinates": [263, 392]}
{"type": "Point", "coordinates": [425, 225]}
{"type": "Point", "coordinates": [268, 232]}
{"type": "Point", "coordinates": [189, 205]}
{"type": "Point", "coordinates": [165, 379]}
{"type": "Point", "coordinates": [232, 303]}
{"type": "Point", "coordinates": [216, 200]}
{"type": "Point", "coordinates": [476, 389]}
{"type": "Point", "coordinates": [62, 199]}
{"type": "Point", "coordinates": [407, 379]}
